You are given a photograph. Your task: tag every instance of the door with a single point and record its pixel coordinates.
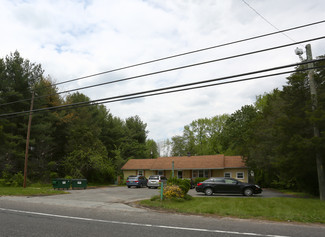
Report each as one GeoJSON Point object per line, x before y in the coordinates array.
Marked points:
{"type": "Point", "coordinates": [231, 186]}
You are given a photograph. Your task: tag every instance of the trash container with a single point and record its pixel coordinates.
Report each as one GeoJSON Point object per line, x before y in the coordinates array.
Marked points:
{"type": "Point", "coordinates": [61, 183]}
{"type": "Point", "coordinates": [79, 183]}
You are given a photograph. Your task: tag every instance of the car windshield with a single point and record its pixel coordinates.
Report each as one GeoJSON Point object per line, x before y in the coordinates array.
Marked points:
{"type": "Point", "coordinates": [154, 177]}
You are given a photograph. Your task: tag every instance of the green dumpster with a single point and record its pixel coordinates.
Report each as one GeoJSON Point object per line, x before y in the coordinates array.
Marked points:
{"type": "Point", "coordinates": [61, 183]}
{"type": "Point", "coordinates": [79, 183]}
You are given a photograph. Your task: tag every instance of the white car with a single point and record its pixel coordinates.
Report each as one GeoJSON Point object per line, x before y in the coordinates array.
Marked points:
{"type": "Point", "coordinates": [155, 181]}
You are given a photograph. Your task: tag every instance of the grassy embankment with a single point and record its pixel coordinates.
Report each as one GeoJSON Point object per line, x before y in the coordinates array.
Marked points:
{"type": "Point", "coordinates": [33, 190]}
{"type": "Point", "coordinates": [40, 190]}
{"type": "Point", "coordinates": [275, 209]}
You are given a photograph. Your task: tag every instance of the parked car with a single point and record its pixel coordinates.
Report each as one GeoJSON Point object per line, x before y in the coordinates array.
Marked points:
{"type": "Point", "coordinates": [155, 181]}
{"type": "Point", "coordinates": [227, 185]}
{"type": "Point", "coordinates": [137, 181]}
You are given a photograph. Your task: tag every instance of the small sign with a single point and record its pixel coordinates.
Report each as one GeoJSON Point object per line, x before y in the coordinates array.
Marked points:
{"type": "Point", "coordinates": [79, 182]}
{"type": "Point", "coordinates": [64, 182]}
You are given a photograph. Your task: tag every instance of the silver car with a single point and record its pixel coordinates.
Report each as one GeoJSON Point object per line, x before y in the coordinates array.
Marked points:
{"type": "Point", "coordinates": [155, 181]}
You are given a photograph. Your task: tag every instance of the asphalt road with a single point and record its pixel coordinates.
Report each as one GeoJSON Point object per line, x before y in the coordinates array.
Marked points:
{"type": "Point", "coordinates": [105, 212]}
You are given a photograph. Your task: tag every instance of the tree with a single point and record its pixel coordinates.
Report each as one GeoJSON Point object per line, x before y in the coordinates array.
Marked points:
{"type": "Point", "coordinates": [200, 137]}
{"type": "Point", "coordinates": [134, 142]}
{"type": "Point", "coordinates": [151, 149]}
{"type": "Point", "coordinates": [18, 76]}
{"type": "Point", "coordinates": [178, 146]}
{"type": "Point", "coordinates": [86, 155]}
{"type": "Point", "coordinates": [238, 131]}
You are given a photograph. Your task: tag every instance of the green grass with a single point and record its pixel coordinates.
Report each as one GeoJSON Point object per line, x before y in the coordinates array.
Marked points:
{"type": "Point", "coordinates": [29, 191]}
{"type": "Point", "coordinates": [297, 194]}
{"type": "Point", "coordinates": [276, 209]}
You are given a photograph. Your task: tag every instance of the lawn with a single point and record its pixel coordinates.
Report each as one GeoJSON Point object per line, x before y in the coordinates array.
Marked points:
{"type": "Point", "coordinates": [276, 209]}
{"type": "Point", "coordinates": [29, 191]}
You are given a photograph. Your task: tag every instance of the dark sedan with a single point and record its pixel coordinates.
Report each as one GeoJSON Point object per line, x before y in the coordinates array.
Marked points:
{"type": "Point", "coordinates": [227, 185]}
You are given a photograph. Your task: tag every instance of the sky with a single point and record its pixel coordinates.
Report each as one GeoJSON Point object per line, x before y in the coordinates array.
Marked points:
{"type": "Point", "coordinates": [71, 39]}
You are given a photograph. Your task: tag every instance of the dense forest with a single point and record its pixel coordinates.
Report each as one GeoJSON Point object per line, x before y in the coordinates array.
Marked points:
{"type": "Point", "coordinates": [275, 134]}
{"type": "Point", "coordinates": [86, 142]}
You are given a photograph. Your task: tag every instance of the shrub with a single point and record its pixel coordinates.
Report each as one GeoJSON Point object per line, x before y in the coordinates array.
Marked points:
{"type": "Point", "coordinates": [54, 175]}
{"type": "Point", "coordinates": [198, 180]}
{"type": "Point", "coordinates": [68, 177]}
{"type": "Point", "coordinates": [173, 191]}
{"type": "Point", "coordinates": [17, 180]}
{"type": "Point", "coordinates": [184, 184]}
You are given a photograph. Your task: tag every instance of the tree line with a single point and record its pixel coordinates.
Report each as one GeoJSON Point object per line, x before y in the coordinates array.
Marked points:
{"type": "Point", "coordinates": [274, 135]}
{"type": "Point", "coordinates": [85, 142]}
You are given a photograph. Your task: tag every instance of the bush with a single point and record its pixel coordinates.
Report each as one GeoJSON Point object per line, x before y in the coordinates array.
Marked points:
{"type": "Point", "coordinates": [173, 191]}
{"type": "Point", "coordinates": [198, 180]}
{"type": "Point", "coordinates": [184, 184]}
{"type": "Point", "coordinates": [68, 177]}
{"type": "Point", "coordinates": [17, 180]}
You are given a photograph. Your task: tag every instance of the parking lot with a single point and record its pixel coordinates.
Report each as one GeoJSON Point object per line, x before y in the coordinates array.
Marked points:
{"type": "Point", "coordinates": [114, 198]}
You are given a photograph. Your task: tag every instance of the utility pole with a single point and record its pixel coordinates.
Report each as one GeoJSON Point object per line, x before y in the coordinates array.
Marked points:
{"type": "Point", "coordinates": [27, 139]}
{"type": "Point", "coordinates": [313, 92]}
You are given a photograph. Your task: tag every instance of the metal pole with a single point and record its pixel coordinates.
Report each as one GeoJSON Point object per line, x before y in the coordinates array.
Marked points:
{"type": "Point", "coordinates": [161, 191]}
{"type": "Point", "coordinates": [313, 92]}
{"type": "Point", "coordinates": [172, 169]}
{"type": "Point", "coordinates": [27, 139]}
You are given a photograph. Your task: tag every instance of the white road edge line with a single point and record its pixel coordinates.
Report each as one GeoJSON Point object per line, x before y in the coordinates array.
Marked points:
{"type": "Point", "coordinates": [140, 224]}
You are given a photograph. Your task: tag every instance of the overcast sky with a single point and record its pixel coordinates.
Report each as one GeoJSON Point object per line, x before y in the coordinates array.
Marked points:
{"type": "Point", "coordinates": [71, 39]}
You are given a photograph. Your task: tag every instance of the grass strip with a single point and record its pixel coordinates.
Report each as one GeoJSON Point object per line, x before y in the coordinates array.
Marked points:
{"type": "Point", "coordinates": [29, 191]}
{"type": "Point", "coordinates": [275, 209]}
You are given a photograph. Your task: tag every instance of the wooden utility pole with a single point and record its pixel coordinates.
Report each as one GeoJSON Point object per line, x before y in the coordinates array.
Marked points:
{"type": "Point", "coordinates": [27, 139]}
{"type": "Point", "coordinates": [313, 92]}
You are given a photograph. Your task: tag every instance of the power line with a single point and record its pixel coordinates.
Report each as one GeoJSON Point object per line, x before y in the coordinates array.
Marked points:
{"type": "Point", "coordinates": [267, 21]}
{"type": "Point", "coordinates": [161, 89]}
{"type": "Point", "coordinates": [175, 68]}
{"type": "Point", "coordinates": [127, 97]}
{"type": "Point", "coordinates": [192, 52]}
{"type": "Point", "coordinates": [179, 55]}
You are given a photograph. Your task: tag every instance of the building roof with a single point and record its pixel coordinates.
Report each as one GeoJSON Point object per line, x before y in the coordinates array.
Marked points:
{"type": "Point", "coordinates": [138, 164]}
{"type": "Point", "coordinates": [186, 162]}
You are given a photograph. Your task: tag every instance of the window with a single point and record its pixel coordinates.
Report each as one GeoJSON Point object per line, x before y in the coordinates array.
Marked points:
{"type": "Point", "coordinates": [215, 180]}
{"type": "Point", "coordinates": [240, 175]}
{"type": "Point", "coordinates": [140, 172]}
{"type": "Point", "coordinates": [200, 173]}
{"type": "Point", "coordinates": [180, 174]}
{"type": "Point", "coordinates": [160, 172]}
{"type": "Point", "coordinates": [230, 181]}
{"type": "Point", "coordinates": [227, 175]}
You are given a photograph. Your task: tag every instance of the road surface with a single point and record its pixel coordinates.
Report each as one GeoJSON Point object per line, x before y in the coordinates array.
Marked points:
{"type": "Point", "coordinates": [105, 212]}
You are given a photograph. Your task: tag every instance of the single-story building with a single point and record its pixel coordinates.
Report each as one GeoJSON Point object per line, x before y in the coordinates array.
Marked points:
{"type": "Point", "coordinates": [189, 167]}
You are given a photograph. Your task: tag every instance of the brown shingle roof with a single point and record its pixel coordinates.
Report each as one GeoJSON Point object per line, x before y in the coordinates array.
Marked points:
{"type": "Point", "coordinates": [234, 162]}
{"type": "Point", "coordinates": [138, 164]}
{"type": "Point", "coordinates": [185, 162]}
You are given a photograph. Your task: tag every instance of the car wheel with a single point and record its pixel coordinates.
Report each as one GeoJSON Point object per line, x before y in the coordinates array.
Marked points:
{"type": "Point", "coordinates": [208, 191]}
{"type": "Point", "coordinates": [248, 192]}
{"type": "Point", "coordinates": [129, 186]}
